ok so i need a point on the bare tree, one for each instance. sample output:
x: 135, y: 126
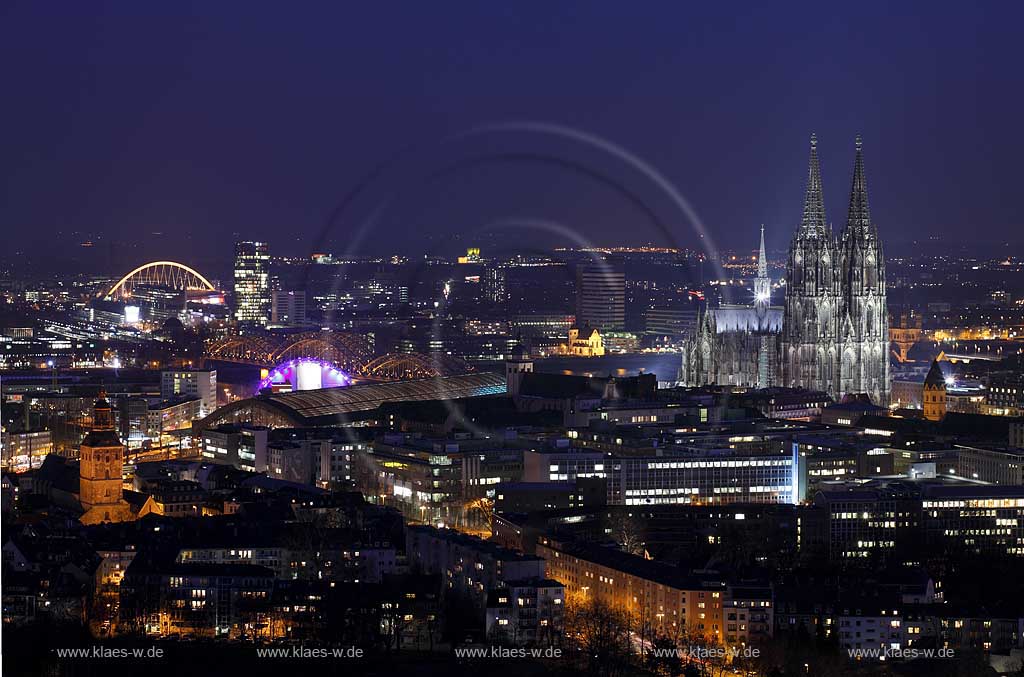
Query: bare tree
x: 627, y: 531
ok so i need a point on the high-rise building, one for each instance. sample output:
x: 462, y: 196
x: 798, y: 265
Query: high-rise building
x: 252, y: 283
x: 202, y: 383
x: 288, y: 308
x: 601, y: 296
x: 495, y: 289
x: 670, y: 322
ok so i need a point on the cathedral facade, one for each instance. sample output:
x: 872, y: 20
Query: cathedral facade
x: 832, y: 333
x: 735, y: 344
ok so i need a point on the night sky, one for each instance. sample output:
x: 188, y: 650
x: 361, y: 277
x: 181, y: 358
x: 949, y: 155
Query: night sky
x: 172, y: 129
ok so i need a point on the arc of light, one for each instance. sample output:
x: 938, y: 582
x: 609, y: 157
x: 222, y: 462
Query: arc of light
x: 154, y: 264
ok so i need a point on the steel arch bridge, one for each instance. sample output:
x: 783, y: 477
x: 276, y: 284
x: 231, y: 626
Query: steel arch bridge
x: 346, y: 351
x: 403, y: 366
x: 160, y: 274
x: 256, y: 350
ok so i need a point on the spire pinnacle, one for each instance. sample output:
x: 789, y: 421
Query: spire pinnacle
x: 859, y: 217
x: 813, y: 221
x: 762, y: 260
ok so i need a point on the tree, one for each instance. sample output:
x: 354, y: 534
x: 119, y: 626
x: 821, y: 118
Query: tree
x: 628, y: 532
x: 663, y: 658
x: 482, y: 506
x: 601, y: 633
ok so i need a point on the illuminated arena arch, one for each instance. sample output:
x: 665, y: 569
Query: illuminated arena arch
x: 303, y: 374
x: 405, y: 366
x: 160, y: 274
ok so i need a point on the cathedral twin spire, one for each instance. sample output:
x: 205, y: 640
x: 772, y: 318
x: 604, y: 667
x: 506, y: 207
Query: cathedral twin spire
x: 858, y: 218
x: 813, y: 223
x: 833, y: 335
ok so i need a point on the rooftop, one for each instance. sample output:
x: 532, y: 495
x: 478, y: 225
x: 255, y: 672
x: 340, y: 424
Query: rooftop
x: 328, y: 406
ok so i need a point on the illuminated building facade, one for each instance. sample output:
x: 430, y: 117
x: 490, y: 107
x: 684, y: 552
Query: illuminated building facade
x: 252, y: 283
x: 288, y: 308
x: 170, y: 415
x: 1005, y: 396
x: 527, y: 612
x: 601, y: 296
x: 584, y: 342
x: 736, y: 344
x: 869, y: 522
x: 713, y: 480
x: 981, y: 519
x: 243, y: 446
x: 677, y: 478
x: 26, y: 450
x: 541, y: 325
x: 669, y: 323
x: 197, y: 600
x: 495, y: 284
x: 995, y: 466
x: 200, y: 383
x: 864, y: 313
x: 652, y: 592
x: 835, y: 325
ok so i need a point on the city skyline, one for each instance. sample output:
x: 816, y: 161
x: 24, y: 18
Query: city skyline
x: 442, y: 147
x: 576, y: 339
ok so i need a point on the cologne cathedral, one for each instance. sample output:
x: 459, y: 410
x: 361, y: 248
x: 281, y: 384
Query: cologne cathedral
x: 831, y: 334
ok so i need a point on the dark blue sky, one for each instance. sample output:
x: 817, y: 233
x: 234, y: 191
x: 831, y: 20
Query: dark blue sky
x: 211, y: 121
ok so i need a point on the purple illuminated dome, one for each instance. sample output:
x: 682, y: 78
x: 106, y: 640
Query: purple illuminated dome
x: 304, y: 374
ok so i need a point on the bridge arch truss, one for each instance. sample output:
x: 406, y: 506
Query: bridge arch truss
x: 404, y: 366
x: 170, y: 274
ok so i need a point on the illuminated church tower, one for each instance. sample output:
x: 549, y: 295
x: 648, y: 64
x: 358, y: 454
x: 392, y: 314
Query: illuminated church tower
x: 810, y: 327
x: 101, y: 460
x: 864, y: 366
x: 934, y: 395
